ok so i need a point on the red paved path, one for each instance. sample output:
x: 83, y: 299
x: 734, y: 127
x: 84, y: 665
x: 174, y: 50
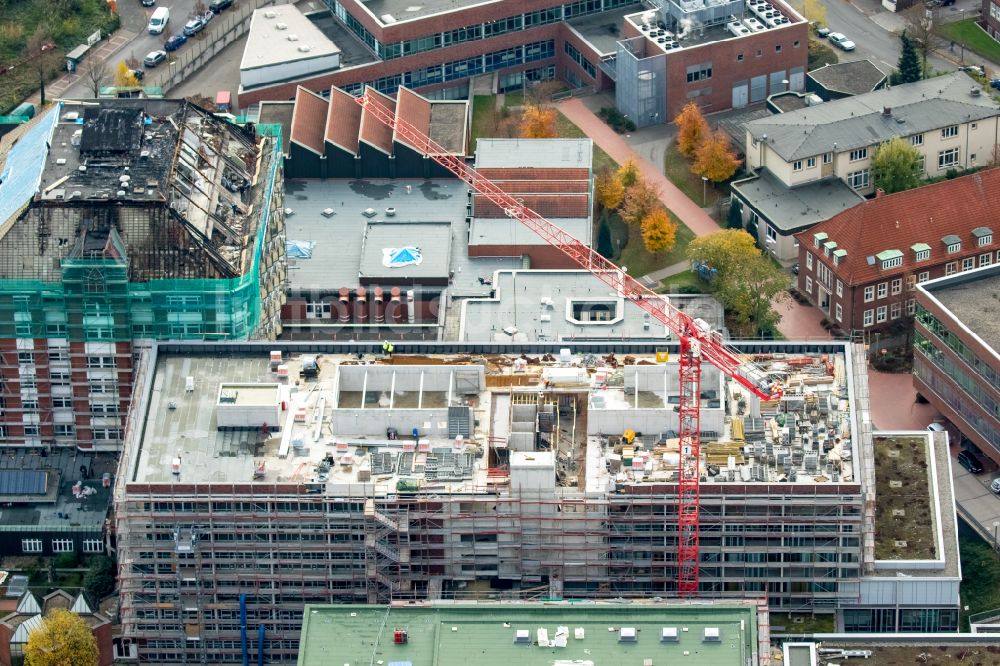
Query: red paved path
x: 799, y: 322
x: 687, y: 211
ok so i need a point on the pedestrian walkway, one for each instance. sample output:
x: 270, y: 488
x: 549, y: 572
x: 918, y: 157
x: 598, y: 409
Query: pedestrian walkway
x: 107, y: 47
x: 654, y: 278
x: 687, y: 211
x: 799, y: 322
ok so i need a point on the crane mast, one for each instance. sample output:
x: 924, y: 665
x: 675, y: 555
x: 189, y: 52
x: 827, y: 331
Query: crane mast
x: 698, y: 343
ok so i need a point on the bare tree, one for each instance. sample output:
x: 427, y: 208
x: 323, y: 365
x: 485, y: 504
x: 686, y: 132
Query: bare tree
x: 38, y: 44
x: 922, y: 30
x: 96, y: 76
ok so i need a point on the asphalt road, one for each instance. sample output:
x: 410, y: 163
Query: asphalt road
x: 874, y: 42
x: 134, y: 19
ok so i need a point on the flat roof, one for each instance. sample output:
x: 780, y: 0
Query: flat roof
x: 850, y: 78
x: 59, y: 508
x: 791, y: 209
x: 336, y: 259
x: 521, y: 299
x: 505, y: 231
x: 484, y: 634
x: 904, y: 518
x: 973, y: 298
x: 353, y: 51
x: 431, y: 240
x: 534, y: 153
x: 388, y: 12
x: 603, y: 30
x: 269, y: 39
x: 278, y: 113
x: 342, y: 417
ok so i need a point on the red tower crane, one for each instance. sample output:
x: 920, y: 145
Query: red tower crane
x: 698, y: 342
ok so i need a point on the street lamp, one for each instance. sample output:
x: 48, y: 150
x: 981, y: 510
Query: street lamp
x: 704, y: 191
x: 996, y: 524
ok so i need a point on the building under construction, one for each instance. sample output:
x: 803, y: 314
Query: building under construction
x: 257, y: 478
x: 123, y: 221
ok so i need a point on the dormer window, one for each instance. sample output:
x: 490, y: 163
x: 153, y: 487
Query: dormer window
x: 829, y: 247
x: 819, y: 238
x: 952, y: 243
x: 983, y: 236
x: 921, y: 251
x: 890, y: 259
x: 838, y: 256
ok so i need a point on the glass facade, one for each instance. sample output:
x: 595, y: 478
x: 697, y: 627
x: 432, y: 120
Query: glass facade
x: 892, y: 620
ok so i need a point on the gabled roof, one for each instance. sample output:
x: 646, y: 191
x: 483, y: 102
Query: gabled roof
x: 925, y: 215
x: 80, y: 606
x: 373, y: 131
x: 857, y: 122
x: 28, y: 604
x: 309, y: 120
x: 343, y: 121
x: 21, y: 171
x: 21, y: 633
x: 849, y: 78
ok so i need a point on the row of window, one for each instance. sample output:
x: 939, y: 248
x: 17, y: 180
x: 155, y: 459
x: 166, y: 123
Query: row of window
x: 957, y: 399
x: 944, y: 334
x: 577, y: 57
x: 958, y: 373
x: 90, y: 546
x: 879, y: 315
x: 474, y: 32
x: 459, y: 69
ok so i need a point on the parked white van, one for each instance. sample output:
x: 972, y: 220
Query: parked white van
x: 158, y: 21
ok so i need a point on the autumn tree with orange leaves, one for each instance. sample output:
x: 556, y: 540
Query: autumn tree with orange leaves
x: 639, y: 201
x: 714, y: 159
x: 609, y: 189
x: 692, y: 128
x: 538, y: 122
x: 659, y: 232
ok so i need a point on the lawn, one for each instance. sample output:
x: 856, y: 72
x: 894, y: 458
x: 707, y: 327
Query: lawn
x: 481, y: 106
x: 801, y: 623
x: 677, y: 169
x: 969, y: 33
x: 821, y: 54
x: 980, y: 588
x: 633, y: 254
x: 66, y: 28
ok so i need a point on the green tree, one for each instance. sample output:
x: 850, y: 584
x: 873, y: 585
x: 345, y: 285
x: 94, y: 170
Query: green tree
x: 99, y: 581
x: 63, y: 639
x: 735, y: 218
x: 746, y: 280
x: 628, y: 173
x: 896, y: 166
x: 908, y: 68
x: 605, y: 247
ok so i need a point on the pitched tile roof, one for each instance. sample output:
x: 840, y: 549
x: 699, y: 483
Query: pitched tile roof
x: 343, y: 122
x: 414, y: 110
x: 898, y: 221
x: 373, y: 131
x: 308, y: 120
x: 527, y: 173
x: 562, y: 206
x: 857, y: 122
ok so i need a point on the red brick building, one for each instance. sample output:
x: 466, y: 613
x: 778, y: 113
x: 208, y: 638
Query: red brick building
x: 990, y: 18
x: 861, y: 266
x: 718, y: 54
x: 29, y: 615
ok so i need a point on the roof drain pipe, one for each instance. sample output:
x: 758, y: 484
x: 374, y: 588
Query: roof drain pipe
x: 243, y: 628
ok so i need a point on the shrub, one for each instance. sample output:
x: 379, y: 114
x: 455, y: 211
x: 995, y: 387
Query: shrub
x: 615, y: 120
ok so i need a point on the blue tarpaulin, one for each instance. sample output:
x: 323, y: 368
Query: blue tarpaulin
x: 22, y: 171
x: 396, y: 257
x: 299, y: 249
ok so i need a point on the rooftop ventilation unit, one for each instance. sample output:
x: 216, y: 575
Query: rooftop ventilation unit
x: 270, y: 14
x: 305, y: 48
x: 668, y: 635
x: 281, y: 26
x: 292, y: 38
x: 711, y: 635
x: 627, y: 635
x: 522, y: 637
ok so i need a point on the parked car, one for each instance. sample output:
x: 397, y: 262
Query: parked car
x: 969, y: 461
x: 995, y: 486
x: 795, y: 268
x: 138, y: 74
x: 822, y: 32
x: 972, y: 69
x: 194, y: 26
x: 218, y: 5
x: 175, y: 42
x: 995, y: 84
x: 936, y: 427
x: 208, y: 16
x: 154, y: 58
x: 841, y: 40
x: 148, y: 3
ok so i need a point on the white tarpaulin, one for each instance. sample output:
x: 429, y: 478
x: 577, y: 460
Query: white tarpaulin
x: 396, y: 257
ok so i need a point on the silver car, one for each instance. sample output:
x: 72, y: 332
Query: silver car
x: 841, y: 40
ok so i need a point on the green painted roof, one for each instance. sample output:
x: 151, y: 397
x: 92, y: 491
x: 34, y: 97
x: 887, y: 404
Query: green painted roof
x: 483, y: 634
x: 920, y: 247
x: 840, y: 253
x: 888, y: 254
